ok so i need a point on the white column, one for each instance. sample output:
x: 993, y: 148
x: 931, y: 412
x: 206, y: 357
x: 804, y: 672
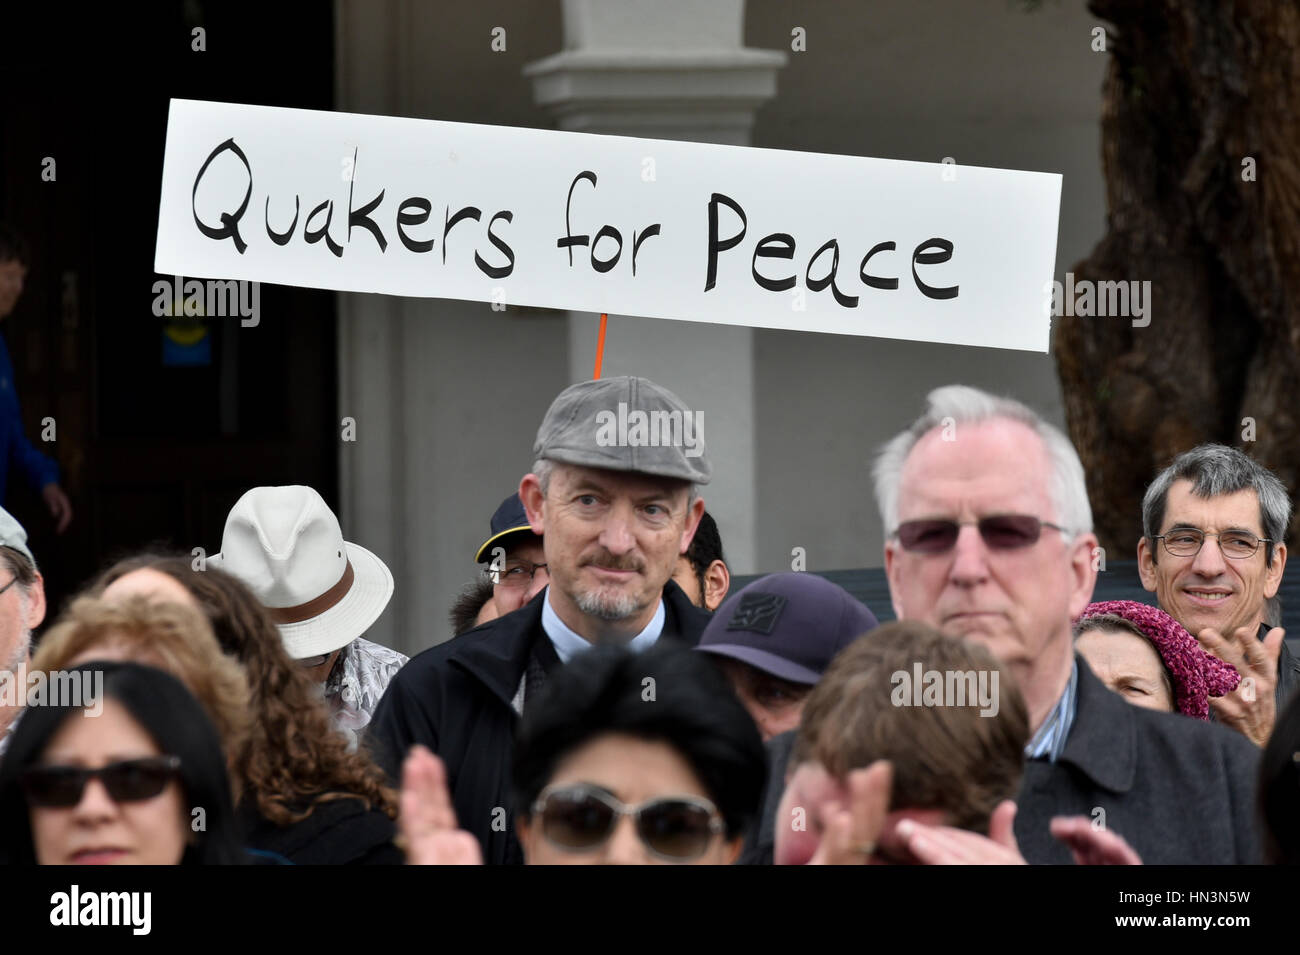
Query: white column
x: 672, y: 69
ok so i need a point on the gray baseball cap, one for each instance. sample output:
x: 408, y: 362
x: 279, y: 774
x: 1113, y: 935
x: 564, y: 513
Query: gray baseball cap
x: 13, y: 536
x: 625, y: 424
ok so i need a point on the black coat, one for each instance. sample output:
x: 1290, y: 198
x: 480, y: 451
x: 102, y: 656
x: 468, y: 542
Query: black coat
x: 338, y: 832
x: 1180, y: 790
x: 455, y: 699
x: 1288, y: 671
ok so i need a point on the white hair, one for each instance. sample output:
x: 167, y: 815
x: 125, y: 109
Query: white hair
x: 955, y: 405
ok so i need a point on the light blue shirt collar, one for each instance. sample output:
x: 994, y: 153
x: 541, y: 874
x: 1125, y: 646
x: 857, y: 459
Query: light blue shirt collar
x: 568, y: 643
x: 1049, y: 742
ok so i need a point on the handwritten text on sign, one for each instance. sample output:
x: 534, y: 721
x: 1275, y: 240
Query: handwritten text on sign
x: 688, y: 231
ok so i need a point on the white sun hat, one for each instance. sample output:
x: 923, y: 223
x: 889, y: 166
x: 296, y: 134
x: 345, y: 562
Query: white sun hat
x: 286, y: 545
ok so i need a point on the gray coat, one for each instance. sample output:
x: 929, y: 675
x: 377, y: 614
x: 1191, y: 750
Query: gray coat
x: 1180, y: 790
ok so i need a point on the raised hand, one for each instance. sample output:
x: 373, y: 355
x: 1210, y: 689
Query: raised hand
x: 427, y: 820
x: 1251, y: 708
x: 851, y: 833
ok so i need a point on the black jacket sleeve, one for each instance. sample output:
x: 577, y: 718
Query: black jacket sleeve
x: 406, y: 715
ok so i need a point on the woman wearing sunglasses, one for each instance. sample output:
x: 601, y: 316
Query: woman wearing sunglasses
x: 304, y: 796
x: 624, y: 759
x: 126, y: 787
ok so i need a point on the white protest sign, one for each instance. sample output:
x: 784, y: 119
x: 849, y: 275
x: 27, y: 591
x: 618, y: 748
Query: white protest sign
x: 695, y: 232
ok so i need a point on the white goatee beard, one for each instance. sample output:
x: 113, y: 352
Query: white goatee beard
x: 607, y: 606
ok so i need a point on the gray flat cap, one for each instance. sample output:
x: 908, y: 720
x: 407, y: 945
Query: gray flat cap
x: 13, y: 536
x: 625, y: 424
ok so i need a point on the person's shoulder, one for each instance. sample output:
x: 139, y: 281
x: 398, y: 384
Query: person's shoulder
x: 688, y: 620
x: 1187, y: 735
x: 378, y: 655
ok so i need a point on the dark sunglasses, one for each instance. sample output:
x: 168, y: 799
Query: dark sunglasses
x: 580, y: 818
x: 131, y: 780
x: 1000, y: 532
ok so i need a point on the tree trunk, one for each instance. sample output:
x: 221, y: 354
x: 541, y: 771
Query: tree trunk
x: 1194, y: 89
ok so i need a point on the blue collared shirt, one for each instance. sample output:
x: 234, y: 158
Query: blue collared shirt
x: 568, y: 644
x: 1049, y: 742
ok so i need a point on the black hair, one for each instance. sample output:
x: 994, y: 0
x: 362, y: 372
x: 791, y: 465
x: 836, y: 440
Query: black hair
x: 1279, y: 788
x: 689, y: 706
x: 176, y: 721
x: 468, y: 603
x: 706, y: 547
x: 13, y: 247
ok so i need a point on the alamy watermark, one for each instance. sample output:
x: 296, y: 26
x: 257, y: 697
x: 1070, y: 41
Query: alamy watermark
x: 82, y: 688
x: 1087, y: 299
x: 179, y: 297
x: 651, y: 429
x: 922, y: 687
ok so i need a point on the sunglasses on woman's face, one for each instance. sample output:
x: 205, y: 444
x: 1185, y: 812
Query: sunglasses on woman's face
x: 580, y: 818
x: 131, y: 780
x: 1000, y: 532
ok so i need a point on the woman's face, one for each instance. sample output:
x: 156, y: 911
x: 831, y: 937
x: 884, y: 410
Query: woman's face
x: 99, y: 830
x: 632, y: 771
x: 1127, y: 664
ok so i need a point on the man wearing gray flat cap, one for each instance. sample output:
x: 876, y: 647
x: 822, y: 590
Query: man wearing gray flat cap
x: 614, y: 495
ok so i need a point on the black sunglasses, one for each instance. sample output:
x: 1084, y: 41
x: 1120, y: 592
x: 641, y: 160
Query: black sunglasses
x: 131, y: 780
x: 1000, y: 532
x: 580, y: 818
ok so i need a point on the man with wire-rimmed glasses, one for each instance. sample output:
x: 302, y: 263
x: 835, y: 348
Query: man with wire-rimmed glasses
x: 1213, y: 551
x: 514, y: 560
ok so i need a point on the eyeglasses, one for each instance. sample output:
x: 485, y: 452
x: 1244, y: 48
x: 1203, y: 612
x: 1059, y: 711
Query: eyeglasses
x: 131, y: 780
x: 580, y: 818
x: 999, y: 531
x: 519, y: 573
x: 1187, y: 542
x: 308, y: 662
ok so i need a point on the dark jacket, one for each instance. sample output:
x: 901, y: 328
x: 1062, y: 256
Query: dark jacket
x: 1288, y: 670
x: 1180, y: 790
x: 455, y: 699
x: 338, y: 832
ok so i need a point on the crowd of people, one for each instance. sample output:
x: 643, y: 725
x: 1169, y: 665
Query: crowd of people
x: 605, y: 698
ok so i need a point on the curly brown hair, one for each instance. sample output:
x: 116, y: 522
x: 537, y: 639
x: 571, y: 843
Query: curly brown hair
x: 171, y: 637
x: 296, y: 758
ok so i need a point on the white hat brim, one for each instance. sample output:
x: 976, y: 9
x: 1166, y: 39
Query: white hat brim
x: 372, y: 588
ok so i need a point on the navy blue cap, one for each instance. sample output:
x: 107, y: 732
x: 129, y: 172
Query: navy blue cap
x: 790, y: 625
x: 508, y: 520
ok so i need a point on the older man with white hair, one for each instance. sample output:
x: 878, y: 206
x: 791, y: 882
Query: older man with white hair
x: 989, y: 537
x: 22, y: 608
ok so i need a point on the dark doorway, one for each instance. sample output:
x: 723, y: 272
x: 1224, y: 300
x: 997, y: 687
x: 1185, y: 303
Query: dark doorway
x: 160, y: 423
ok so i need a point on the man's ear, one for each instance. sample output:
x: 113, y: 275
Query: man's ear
x: 1147, y: 563
x: 891, y: 574
x: 692, y: 524
x: 1083, y: 565
x: 1273, y: 573
x: 530, y: 493
x: 36, y: 602
x: 717, y: 581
